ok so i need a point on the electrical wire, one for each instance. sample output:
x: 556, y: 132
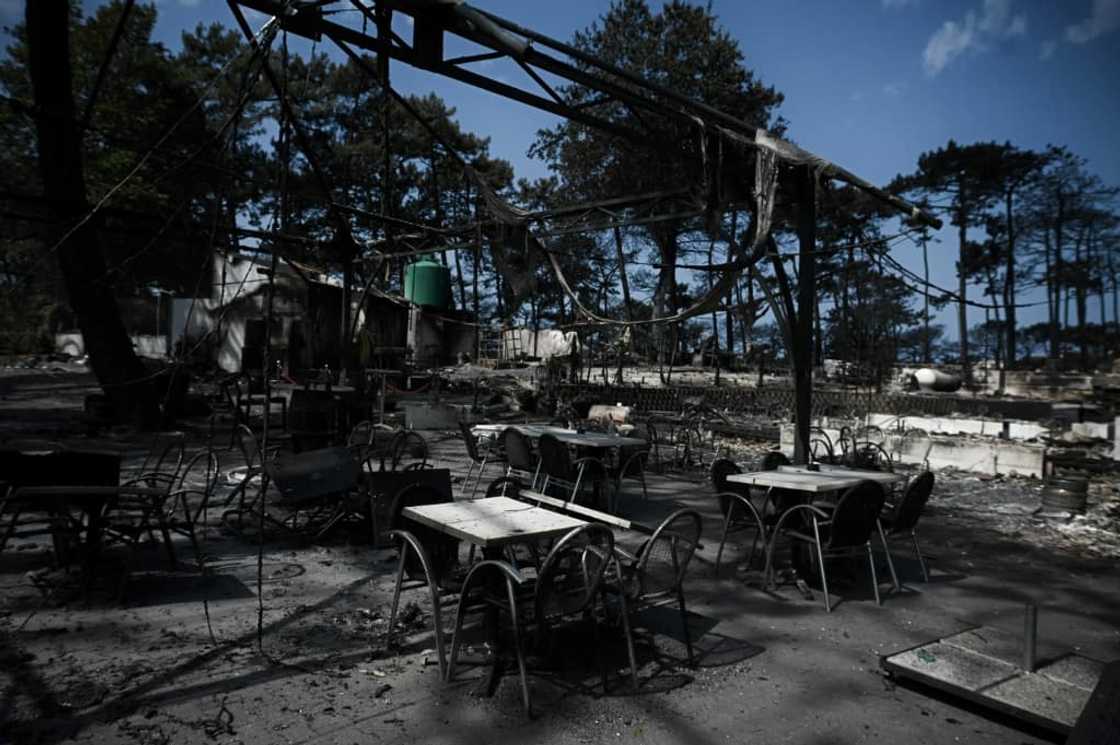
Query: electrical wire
x: 268, y: 28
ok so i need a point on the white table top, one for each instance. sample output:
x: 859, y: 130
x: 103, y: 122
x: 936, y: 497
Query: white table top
x: 493, y: 521
x: 570, y: 436
x: 814, y: 482
x: 886, y: 478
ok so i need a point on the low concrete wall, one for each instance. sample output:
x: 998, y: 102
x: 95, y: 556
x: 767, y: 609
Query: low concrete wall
x: 1099, y: 430
x: 1014, y: 429
x: 990, y: 456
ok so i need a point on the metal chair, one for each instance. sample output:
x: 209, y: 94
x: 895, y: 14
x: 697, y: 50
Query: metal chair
x: 161, y: 473
x: 748, y: 518
x: 872, y: 456
x: 197, y: 482
x: 773, y: 459
x: 254, y: 475
x: 479, y: 593
x: 479, y: 457
x: 132, y: 512
x: 655, y: 575
x: 442, y: 550
x: 632, y: 462
x: 569, y: 475
x: 733, y: 497
x: 407, y: 443
x: 245, y: 399
x: 820, y: 446
x: 569, y: 585
x: 843, y: 531
x: 520, y: 460
x: 903, y: 517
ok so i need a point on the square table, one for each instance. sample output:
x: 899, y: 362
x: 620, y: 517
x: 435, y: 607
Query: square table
x: 493, y: 521
x: 568, y: 436
x: 801, y: 479
x: 886, y: 478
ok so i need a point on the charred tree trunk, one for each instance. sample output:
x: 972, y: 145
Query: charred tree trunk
x: 664, y: 294
x: 802, y: 351
x: 962, y: 288
x: 1081, y: 294
x: 1009, y: 281
x: 927, y: 355
x: 1055, y: 273
x: 118, y: 370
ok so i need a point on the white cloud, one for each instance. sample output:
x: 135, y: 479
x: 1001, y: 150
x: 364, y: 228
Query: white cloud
x: 1046, y: 51
x: 894, y: 89
x: 994, y: 22
x: 1104, y: 18
x: 898, y: 3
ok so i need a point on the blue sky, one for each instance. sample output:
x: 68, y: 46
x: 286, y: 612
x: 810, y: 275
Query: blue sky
x: 868, y: 84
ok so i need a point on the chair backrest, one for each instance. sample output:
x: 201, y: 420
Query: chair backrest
x: 165, y: 455
x: 470, y: 441
x: 820, y: 450
x: 773, y: 459
x: 572, y: 573
x: 663, y: 559
x: 556, y: 461
x: 846, y: 442
x: 721, y: 469
x: 201, y: 472
x: 854, y: 518
x: 443, y: 550
x: 518, y: 450
x: 408, y: 443
x: 870, y: 433
x: 230, y: 391
x: 913, y: 502
x: 360, y: 435
x: 818, y: 433
x: 247, y: 443
x: 874, y: 457
x: 505, y: 486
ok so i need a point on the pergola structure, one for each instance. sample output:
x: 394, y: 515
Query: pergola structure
x: 772, y: 158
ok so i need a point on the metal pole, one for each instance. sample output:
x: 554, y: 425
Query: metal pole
x: 802, y: 351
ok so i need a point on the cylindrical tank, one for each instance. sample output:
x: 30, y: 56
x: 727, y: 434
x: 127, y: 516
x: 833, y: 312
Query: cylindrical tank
x: 935, y: 380
x: 1066, y: 494
x: 428, y: 283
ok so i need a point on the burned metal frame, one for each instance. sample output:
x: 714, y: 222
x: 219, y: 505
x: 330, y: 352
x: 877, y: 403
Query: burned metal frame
x: 607, y: 84
x: 501, y: 38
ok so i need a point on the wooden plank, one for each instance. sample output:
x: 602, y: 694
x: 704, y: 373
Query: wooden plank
x: 582, y: 511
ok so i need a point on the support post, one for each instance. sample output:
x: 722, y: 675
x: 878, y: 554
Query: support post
x: 806, y: 300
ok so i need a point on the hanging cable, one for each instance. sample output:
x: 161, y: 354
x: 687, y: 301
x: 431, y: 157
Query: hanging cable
x: 269, y: 25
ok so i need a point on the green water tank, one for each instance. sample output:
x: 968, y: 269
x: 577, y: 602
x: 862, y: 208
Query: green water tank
x: 428, y: 283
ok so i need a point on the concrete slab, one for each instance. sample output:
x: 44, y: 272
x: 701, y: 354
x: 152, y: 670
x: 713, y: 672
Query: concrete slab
x: 977, y: 664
